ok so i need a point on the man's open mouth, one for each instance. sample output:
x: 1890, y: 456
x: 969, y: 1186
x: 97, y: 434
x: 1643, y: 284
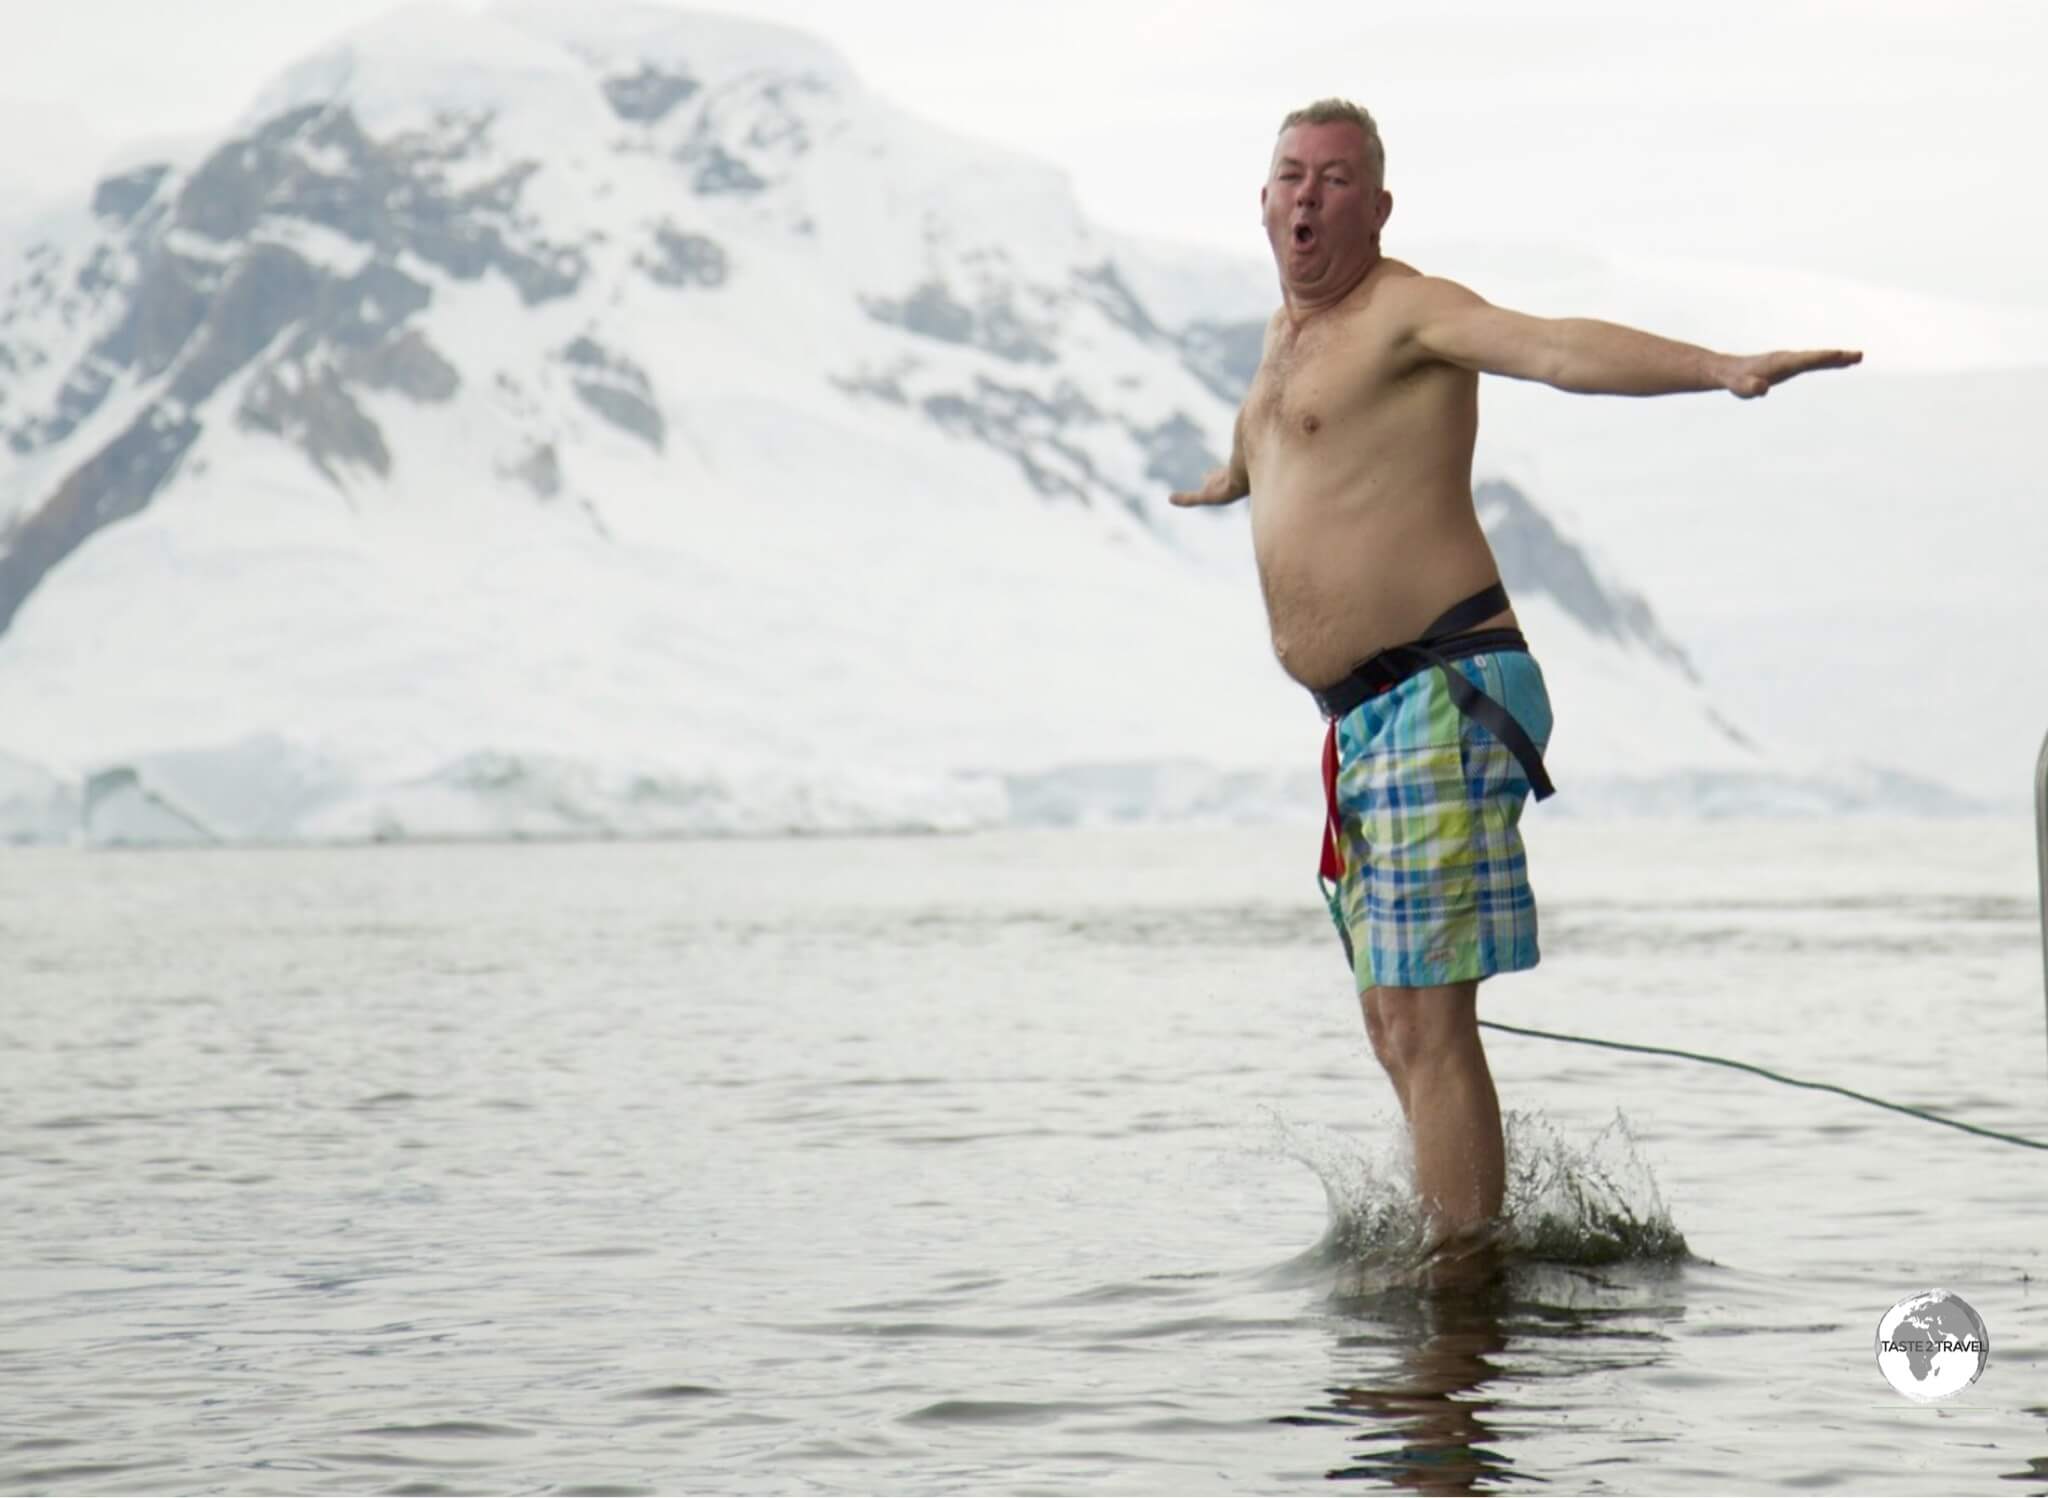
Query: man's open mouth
x: 1303, y: 234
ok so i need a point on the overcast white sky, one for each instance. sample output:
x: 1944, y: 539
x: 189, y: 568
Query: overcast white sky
x: 1895, y: 143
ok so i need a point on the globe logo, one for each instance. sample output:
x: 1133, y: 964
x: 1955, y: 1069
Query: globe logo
x: 1931, y: 1346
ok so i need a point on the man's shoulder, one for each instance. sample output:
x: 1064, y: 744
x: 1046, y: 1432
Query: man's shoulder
x: 1414, y: 287
x: 1412, y: 300
x: 1392, y: 295
x: 1440, y: 290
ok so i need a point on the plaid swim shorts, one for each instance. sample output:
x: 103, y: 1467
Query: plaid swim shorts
x: 1425, y: 806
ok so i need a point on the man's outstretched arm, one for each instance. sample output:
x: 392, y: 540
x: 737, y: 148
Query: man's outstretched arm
x: 1580, y: 354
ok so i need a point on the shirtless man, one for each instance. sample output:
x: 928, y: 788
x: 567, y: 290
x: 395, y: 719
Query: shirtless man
x: 1356, y: 444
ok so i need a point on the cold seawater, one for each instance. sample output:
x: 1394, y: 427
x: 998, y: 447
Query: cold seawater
x: 1049, y: 1162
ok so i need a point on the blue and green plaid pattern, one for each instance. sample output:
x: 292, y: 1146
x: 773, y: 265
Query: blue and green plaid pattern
x: 1435, y: 885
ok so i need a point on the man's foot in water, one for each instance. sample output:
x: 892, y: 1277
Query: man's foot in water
x: 1465, y: 1256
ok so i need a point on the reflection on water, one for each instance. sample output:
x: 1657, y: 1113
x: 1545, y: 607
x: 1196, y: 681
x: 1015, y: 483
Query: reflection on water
x: 1423, y: 1361
x: 1423, y: 1370
x: 1574, y: 1278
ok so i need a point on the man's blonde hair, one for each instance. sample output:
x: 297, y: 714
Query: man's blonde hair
x: 1343, y: 111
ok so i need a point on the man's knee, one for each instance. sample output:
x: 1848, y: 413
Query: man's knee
x: 1411, y: 1027
x: 1377, y: 1032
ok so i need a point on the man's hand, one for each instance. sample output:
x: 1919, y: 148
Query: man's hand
x: 1221, y: 487
x: 1750, y: 377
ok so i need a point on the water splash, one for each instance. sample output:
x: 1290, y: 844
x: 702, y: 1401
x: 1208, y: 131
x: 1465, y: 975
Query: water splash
x: 1579, y: 1204
x: 1591, y: 1204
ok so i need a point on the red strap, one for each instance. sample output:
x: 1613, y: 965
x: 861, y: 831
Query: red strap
x: 1333, y: 856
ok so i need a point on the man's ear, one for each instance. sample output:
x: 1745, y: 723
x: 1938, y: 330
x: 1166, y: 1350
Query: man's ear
x: 1262, y: 202
x: 1386, y: 209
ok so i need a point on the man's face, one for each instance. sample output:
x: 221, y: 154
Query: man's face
x: 1322, y: 209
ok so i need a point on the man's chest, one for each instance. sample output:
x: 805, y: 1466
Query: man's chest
x: 1315, y: 380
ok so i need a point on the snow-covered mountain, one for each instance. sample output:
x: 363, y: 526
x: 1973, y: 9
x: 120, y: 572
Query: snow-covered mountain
x: 620, y: 422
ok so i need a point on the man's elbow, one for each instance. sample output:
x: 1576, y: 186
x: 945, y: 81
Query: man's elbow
x: 1548, y: 358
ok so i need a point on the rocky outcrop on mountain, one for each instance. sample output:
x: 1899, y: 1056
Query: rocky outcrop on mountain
x: 1535, y: 558
x: 286, y: 262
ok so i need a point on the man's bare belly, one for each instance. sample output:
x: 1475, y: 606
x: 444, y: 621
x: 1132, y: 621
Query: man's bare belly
x: 1317, y: 675
x: 1336, y: 594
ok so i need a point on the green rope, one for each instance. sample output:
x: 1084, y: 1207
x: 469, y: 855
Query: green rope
x: 1861, y: 1097
x: 1658, y: 1050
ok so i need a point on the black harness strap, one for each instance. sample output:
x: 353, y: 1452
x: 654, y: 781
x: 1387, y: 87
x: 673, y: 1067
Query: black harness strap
x: 1451, y: 637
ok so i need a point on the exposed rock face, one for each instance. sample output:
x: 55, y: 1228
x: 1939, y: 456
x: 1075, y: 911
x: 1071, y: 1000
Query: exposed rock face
x: 1051, y: 432
x: 116, y: 482
x: 1224, y: 356
x: 750, y: 131
x: 540, y: 469
x: 1534, y: 558
x: 1104, y: 286
x: 931, y: 311
x: 617, y: 389
x: 1177, y: 453
x: 680, y: 259
x: 316, y: 166
x: 123, y: 196
x: 279, y: 262
x: 649, y: 95
x: 316, y: 411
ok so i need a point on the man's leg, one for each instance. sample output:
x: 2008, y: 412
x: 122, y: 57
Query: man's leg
x: 1383, y: 1047
x: 1428, y: 1040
